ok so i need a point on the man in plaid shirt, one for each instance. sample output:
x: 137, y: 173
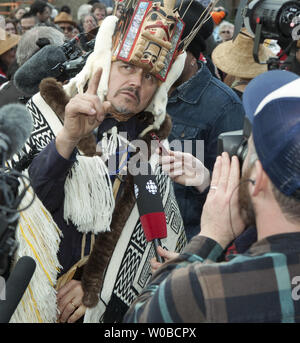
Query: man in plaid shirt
x: 259, y: 285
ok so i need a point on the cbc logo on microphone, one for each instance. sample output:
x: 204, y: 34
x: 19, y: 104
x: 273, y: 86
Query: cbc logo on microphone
x: 296, y: 289
x: 2, y: 288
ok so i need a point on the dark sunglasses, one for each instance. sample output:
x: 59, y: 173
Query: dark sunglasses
x: 225, y: 32
x: 67, y: 28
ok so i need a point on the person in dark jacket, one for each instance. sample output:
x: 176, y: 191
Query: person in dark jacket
x: 201, y: 107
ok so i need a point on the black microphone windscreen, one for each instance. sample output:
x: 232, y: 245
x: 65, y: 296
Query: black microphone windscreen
x: 16, y: 286
x: 16, y: 124
x: 28, y: 77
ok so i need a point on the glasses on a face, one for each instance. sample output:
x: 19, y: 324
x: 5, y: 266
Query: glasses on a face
x: 226, y: 31
x: 67, y: 28
x: 24, y: 28
x: 11, y: 30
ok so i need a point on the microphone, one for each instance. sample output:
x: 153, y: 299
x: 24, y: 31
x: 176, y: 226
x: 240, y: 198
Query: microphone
x: 15, y: 128
x: 44, y: 63
x: 150, y: 206
x: 16, y: 286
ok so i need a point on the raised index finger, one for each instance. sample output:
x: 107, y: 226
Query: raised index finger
x: 94, y: 82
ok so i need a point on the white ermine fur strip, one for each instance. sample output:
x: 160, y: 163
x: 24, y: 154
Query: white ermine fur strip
x: 159, y: 102
x: 100, y: 57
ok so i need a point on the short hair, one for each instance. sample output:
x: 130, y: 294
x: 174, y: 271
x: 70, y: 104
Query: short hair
x: 289, y: 205
x: 27, y: 15
x: 65, y: 8
x: 99, y: 5
x: 89, y: 15
x: 39, y: 6
x: 11, y: 21
x: 82, y: 11
x: 27, y: 46
x: 21, y: 7
x: 225, y: 24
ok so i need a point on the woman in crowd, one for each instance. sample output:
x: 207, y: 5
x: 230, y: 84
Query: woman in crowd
x: 10, y: 26
x: 226, y: 30
x: 8, y: 48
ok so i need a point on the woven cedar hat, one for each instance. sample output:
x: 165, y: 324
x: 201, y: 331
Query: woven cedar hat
x: 236, y: 57
x: 64, y: 17
x: 7, y: 41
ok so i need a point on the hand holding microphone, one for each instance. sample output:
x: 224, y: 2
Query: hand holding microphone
x: 165, y: 254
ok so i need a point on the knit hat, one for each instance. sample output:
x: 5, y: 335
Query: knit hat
x: 272, y: 103
x: 7, y: 41
x: 236, y: 57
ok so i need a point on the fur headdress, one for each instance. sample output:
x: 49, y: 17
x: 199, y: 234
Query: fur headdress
x: 148, y: 35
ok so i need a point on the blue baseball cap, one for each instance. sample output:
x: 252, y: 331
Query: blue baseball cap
x: 272, y: 104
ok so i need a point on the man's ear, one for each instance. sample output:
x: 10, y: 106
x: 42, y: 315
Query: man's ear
x: 259, y: 179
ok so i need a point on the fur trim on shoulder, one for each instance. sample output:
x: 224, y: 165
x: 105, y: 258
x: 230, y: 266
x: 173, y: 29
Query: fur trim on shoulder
x: 53, y: 93
x: 55, y: 96
x: 94, y: 270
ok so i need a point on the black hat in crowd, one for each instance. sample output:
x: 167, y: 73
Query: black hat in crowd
x: 195, y: 10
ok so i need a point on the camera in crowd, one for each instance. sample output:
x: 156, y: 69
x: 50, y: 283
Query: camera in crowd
x: 236, y: 142
x: 75, y: 58
x: 265, y: 19
x: 272, y: 19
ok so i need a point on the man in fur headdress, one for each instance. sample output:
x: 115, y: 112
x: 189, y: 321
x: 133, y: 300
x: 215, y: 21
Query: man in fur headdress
x: 122, y: 89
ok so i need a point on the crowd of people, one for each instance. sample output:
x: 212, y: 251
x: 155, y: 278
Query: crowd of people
x: 41, y: 13
x: 230, y: 251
